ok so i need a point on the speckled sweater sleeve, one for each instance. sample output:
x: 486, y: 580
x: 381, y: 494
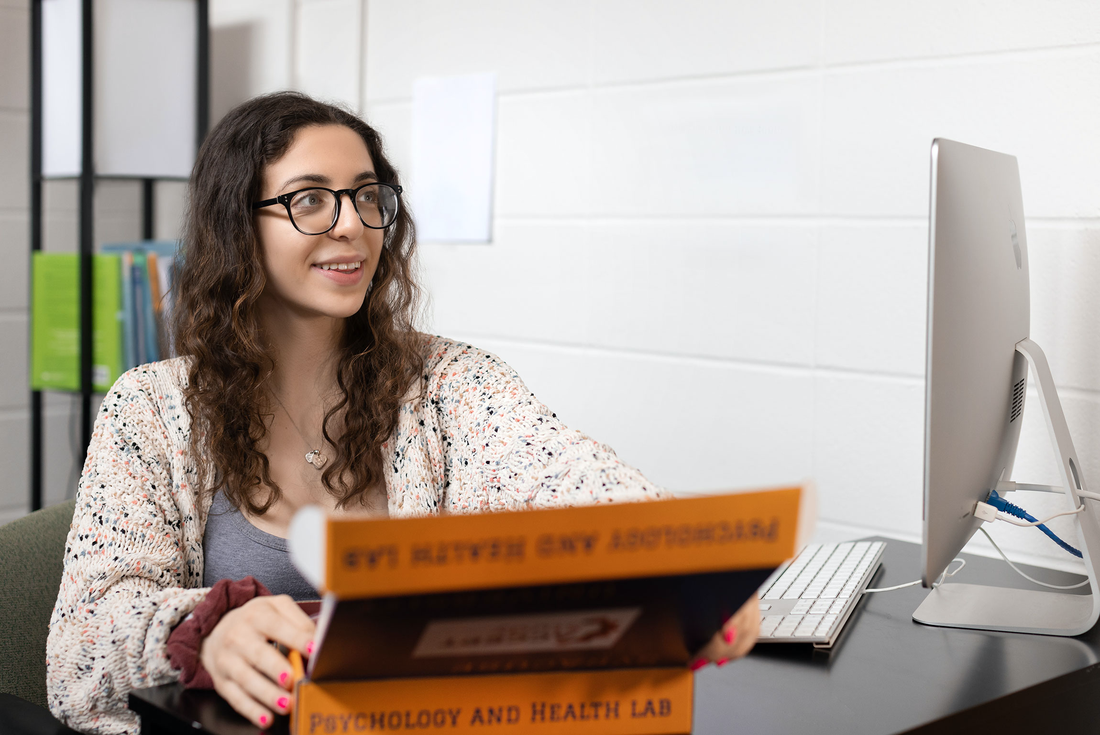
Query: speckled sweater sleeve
x: 503, y: 449
x: 131, y: 561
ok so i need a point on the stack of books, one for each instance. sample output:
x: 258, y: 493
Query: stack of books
x: 132, y: 304
x: 572, y: 620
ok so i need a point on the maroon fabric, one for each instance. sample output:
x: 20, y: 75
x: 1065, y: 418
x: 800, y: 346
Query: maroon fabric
x: 186, y: 640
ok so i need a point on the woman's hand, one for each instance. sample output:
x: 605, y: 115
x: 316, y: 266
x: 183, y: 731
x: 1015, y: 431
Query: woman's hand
x: 247, y: 670
x: 736, y: 637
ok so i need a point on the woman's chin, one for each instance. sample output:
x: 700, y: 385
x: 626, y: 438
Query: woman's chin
x: 279, y: 312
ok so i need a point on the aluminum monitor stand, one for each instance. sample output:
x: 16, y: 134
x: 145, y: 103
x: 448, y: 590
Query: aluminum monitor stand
x: 1031, y: 611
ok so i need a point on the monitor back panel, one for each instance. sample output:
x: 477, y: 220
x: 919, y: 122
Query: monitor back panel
x: 978, y: 309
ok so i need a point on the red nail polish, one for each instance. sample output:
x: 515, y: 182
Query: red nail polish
x: 263, y: 720
x: 722, y: 661
x: 283, y: 703
x: 731, y: 635
x: 309, y: 649
x: 698, y: 664
x: 283, y: 677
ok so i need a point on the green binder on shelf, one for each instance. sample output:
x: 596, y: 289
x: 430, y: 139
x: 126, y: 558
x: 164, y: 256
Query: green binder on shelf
x: 55, y: 321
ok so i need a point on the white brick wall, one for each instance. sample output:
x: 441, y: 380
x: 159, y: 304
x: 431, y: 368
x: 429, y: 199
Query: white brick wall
x: 710, y: 235
x: 711, y: 221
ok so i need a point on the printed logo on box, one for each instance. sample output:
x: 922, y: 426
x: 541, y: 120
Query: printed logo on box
x: 568, y: 631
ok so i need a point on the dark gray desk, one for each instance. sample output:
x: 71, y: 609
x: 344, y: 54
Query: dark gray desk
x: 891, y: 675
x: 886, y: 675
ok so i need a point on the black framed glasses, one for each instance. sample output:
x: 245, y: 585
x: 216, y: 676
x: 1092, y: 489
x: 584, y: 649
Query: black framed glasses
x: 314, y: 211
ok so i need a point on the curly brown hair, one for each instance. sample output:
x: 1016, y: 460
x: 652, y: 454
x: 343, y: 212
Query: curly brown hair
x: 217, y: 323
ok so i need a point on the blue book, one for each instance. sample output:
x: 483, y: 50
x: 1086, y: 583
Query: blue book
x: 137, y: 269
x: 163, y: 248
x: 129, y: 346
x: 149, y: 312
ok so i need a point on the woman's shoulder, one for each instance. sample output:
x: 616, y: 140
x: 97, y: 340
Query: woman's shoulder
x: 170, y: 373
x: 143, y: 415
x: 447, y: 358
x: 155, y: 382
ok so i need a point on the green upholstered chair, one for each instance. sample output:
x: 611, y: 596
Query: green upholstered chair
x: 32, y: 551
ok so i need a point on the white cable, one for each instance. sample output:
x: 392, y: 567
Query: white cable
x: 1004, y: 487
x: 1025, y: 576
x: 895, y: 587
x: 946, y: 573
x: 962, y: 563
x: 937, y: 583
x: 1002, y: 516
x: 1007, y: 486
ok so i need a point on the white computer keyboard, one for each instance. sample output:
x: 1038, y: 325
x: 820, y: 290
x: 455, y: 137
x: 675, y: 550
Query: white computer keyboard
x: 812, y: 598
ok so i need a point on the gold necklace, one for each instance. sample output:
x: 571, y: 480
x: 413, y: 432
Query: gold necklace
x: 313, y: 456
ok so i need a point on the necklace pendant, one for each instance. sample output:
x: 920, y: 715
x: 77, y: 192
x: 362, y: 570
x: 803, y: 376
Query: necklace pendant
x: 315, y: 458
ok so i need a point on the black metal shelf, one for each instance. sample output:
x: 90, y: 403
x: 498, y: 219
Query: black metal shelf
x: 87, y: 179
x: 113, y: 177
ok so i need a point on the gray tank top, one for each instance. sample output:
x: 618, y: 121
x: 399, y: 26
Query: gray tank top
x: 235, y: 549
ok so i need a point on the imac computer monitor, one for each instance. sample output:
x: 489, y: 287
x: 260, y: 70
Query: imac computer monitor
x: 978, y: 309
x: 979, y: 353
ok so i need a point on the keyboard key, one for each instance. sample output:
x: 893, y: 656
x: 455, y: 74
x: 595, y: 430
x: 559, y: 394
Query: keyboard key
x: 826, y: 623
x: 786, y: 628
x: 808, y: 625
x: 768, y: 624
x: 802, y: 607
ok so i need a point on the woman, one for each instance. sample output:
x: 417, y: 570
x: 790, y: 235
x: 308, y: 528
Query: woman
x: 304, y: 383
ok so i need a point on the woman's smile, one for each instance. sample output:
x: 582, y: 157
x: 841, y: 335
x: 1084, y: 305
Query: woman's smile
x: 342, y: 274
x: 340, y: 266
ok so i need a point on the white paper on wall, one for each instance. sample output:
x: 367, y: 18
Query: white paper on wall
x: 451, y: 183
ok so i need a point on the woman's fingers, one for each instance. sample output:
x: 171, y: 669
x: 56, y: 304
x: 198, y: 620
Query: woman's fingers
x: 735, y: 639
x: 245, y: 704
x: 299, y: 628
x: 746, y: 623
x: 259, y: 686
x: 267, y: 662
x: 279, y: 619
x: 284, y: 623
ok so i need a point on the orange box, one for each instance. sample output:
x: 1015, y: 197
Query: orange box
x: 614, y: 702
x: 382, y: 557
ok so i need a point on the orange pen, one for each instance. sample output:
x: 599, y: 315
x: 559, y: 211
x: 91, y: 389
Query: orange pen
x: 296, y: 665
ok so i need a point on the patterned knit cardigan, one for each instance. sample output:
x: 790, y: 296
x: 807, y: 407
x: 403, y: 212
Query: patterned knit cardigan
x: 474, y: 440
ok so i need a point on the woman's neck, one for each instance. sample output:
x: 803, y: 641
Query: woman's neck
x: 304, y: 353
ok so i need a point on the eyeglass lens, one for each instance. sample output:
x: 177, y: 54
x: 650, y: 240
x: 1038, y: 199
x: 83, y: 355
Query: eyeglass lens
x: 314, y: 210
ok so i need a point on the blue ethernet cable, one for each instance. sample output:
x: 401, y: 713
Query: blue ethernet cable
x: 1014, y: 510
